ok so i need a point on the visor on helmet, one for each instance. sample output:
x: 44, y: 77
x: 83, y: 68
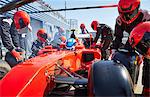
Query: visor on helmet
x: 44, y: 36
x: 21, y: 23
x: 128, y: 15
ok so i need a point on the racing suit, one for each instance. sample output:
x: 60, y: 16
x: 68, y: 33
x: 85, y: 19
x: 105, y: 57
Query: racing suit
x: 6, y: 30
x: 57, y: 39
x: 146, y: 76
x: 0, y: 51
x: 37, y: 46
x: 120, y: 27
x: 84, y: 31
x: 86, y: 41
x: 106, y: 34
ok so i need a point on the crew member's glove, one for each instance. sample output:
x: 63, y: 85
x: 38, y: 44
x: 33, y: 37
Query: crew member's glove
x: 20, y: 50
x: 16, y: 55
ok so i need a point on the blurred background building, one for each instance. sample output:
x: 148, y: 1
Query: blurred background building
x: 50, y: 21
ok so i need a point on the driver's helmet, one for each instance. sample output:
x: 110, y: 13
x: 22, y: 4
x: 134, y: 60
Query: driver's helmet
x: 140, y: 38
x: 128, y: 10
x: 70, y: 44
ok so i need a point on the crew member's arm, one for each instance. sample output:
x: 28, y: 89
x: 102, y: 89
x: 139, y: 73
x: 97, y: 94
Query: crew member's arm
x: 118, y: 36
x: 14, y: 35
x: 5, y: 35
x: 36, y: 46
x: 98, y: 33
x: 87, y: 31
x: 107, y: 37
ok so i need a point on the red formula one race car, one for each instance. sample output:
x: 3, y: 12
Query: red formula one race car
x: 74, y: 72
x: 40, y: 75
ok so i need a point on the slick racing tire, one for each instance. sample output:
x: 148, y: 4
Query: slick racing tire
x: 4, y: 68
x: 110, y: 78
